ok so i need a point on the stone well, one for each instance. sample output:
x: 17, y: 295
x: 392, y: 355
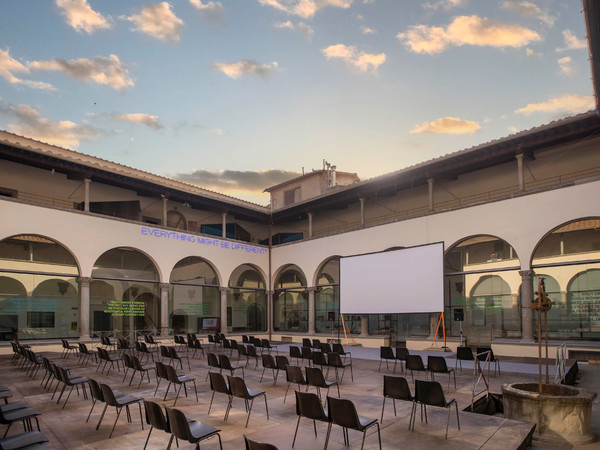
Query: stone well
x: 562, y: 414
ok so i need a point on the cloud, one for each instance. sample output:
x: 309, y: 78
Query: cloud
x: 139, y: 118
x: 80, y: 16
x: 367, y: 30
x: 10, y: 66
x: 301, y: 28
x: 237, y: 69
x: 235, y: 180
x: 31, y: 124
x: 210, y: 9
x: 304, y: 8
x: 466, y: 30
x: 158, y: 21
x: 359, y: 60
x: 572, y: 42
x: 569, y: 104
x: 564, y: 65
x: 106, y: 71
x: 447, y: 125
x: 529, y: 9
x: 445, y: 5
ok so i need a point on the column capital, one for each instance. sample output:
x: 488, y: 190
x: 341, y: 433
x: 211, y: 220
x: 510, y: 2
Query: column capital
x: 526, y: 273
x: 312, y: 289
x: 85, y: 280
x: 223, y: 290
x: 164, y: 285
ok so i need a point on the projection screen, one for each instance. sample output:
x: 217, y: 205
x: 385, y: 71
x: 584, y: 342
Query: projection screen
x: 409, y: 280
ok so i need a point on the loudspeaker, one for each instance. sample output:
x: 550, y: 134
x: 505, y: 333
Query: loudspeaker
x: 459, y: 315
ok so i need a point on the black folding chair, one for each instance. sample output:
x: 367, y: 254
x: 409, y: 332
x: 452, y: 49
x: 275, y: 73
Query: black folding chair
x: 342, y: 412
x: 431, y: 393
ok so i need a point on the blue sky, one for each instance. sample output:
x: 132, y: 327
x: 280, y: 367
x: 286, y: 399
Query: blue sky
x: 239, y: 95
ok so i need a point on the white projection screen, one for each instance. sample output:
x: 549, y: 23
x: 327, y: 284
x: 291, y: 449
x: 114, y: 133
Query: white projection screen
x: 409, y: 280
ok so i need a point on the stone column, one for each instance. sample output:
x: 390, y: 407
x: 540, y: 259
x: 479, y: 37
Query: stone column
x: 224, y: 224
x: 310, y: 229
x: 165, y: 205
x: 86, y: 195
x: 84, y: 308
x: 526, y: 301
x: 362, y: 212
x: 269, y: 312
x: 430, y: 183
x: 364, y: 325
x: 224, y: 291
x: 520, y: 171
x: 164, y: 309
x: 311, y: 310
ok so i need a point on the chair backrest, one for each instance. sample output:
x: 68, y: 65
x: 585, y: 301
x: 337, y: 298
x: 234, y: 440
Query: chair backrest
x: 213, y: 361
x: 342, y: 412
x: 135, y: 362
x: 155, y: 416
x: 334, y: 359
x: 224, y: 362
x: 294, y: 375
x: 315, y: 377
x: 339, y: 348
x: 234, y: 344
x: 161, y: 370
x: 211, y: 339
x: 164, y: 351
x: 265, y: 343
x: 172, y: 374
x: 464, y: 353
x: 430, y: 393
x: 226, y: 343
x: 326, y: 348
x: 319, y: 358
x: 282, y: 362
x: 414, y: 362
x: 268, y: 361
x: 148, y: 339
x: 396, y: 387
x: 386, y: 353
x: 96, y: 390
x: 316, y: 343
x: 251, y: 349
x: 138, y: 346
x: 62, y: 374
x: 242, y: 350
x: 309, y: 405
x: 102, y: 352
x: 437, y: 364
x: 218, y: 383
x: 178, y: 424
x: 173, y: 353
x: 81, y: 347
x: 295, y: 352
x: 245, y: 338
x: 127, y: 361
x: 307, y: 353
x: 401, y: 353
x: 237, y: 387
x: 108, y: 394
x: 254, y: 445
x: 306, y: 342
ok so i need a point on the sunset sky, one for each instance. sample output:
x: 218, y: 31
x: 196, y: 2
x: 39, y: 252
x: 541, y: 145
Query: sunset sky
x: 239, y: 95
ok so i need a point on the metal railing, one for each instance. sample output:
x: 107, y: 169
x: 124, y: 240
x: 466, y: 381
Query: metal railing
x: 561, y: 364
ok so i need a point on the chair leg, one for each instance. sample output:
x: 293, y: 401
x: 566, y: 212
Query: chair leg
x: 148, y: 438
x: 382, y: 408
x: 115, y: 424
x: 101, y: 417
x: 328, y: 433
x: 296, y: 432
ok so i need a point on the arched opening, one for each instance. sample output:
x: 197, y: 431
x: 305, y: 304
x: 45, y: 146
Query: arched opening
x: 39, y: 296
x: 290, y: 300
x: 124, y: 292
x: 194, y: 296
x: 570, y: 255
x: 246, y: 300
x: 481, y: 277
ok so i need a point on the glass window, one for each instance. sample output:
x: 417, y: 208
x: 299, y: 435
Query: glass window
x: 246, y: 300
x: 482, y: 278
x: 39, y: 295
x: 193, y: 295
x: 568, y: 259
x: 124, y: 293
x: 290, y: 301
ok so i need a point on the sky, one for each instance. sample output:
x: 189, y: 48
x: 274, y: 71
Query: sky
x: 240, y: 95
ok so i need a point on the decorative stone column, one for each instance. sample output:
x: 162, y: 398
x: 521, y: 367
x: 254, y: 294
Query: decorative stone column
x: 165, y: 206
x: 430, y: 183
x: 311, y: 309
x: 362, y: 212
x: 86, y: 195
x: 310, y: 224
x: 526, y: 301
x: 164, y: 309
x: 364, y: 325
x: 519, y: 157
x: 224, y: 291
x: 224, y: 225
x: 84, y: 308
x: 269, y: 312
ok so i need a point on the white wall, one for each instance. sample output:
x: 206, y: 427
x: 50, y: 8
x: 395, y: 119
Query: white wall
x: 522, y: 222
